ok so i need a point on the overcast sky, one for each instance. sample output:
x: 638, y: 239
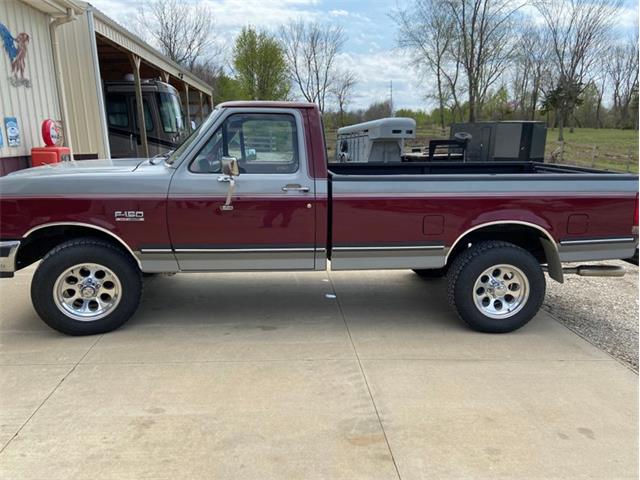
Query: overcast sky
x: 370, y: 49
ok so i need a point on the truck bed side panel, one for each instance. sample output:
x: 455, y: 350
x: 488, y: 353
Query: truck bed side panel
x: 413, y: 222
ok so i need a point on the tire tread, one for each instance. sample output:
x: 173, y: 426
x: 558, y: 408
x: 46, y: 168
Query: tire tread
x: 464, y: 258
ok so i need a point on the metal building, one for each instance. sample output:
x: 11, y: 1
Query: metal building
x: 55, y: 57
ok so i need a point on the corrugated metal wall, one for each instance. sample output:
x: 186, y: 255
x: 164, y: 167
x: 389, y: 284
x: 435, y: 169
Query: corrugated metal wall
x: 81, y: 91
x: 30, y: 105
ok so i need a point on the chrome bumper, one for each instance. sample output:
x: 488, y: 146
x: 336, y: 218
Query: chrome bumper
x: 8, y: 251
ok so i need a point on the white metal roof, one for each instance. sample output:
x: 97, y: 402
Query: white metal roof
x: 56, y: 7
x: 393, y: 127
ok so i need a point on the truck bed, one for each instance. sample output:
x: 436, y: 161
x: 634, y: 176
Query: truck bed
x: 404, y: 215
x: 451, y: 168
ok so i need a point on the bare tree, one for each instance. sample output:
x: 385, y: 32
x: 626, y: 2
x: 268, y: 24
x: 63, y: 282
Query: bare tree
x: 182, y: 31
x: 531, y: 64
x: 578, y: 31
x: 426, y: 29
x: 342, y: 90
x: 483, y: 31
x: 311, y: 50
x: 622, y: 70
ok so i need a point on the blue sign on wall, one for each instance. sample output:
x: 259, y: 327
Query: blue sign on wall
x: 13, y: 131
x: 1, y: 142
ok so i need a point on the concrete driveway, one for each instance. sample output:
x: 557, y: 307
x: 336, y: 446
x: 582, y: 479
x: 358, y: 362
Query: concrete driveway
x: 267, y: 376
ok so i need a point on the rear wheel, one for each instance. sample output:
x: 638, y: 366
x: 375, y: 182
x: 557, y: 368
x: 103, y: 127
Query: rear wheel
x: 496, y: 287
x: 85, y: 287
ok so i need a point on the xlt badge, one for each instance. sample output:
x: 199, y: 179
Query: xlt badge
x: 129, y: 216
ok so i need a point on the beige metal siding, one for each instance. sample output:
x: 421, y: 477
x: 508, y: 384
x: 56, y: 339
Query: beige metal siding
x: 81, y: 91
x: 30, y: 105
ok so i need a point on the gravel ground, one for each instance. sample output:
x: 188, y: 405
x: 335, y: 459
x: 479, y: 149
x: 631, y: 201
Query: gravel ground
x: 602, y: 310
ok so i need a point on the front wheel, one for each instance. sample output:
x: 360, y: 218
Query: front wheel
x: 496, y: 287
x: 85, y: 287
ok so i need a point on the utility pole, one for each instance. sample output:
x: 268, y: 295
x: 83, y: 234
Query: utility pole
x: 391, y: 96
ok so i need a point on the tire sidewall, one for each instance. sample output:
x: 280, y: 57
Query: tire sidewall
x: 54, y: 264
x: 464, y: 289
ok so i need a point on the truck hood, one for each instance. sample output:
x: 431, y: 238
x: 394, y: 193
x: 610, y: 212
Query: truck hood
x: 113, y: 166
x: 134, y: 176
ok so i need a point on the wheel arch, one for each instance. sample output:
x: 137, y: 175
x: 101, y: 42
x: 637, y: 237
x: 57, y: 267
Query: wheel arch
x: 530, y: 236
x: 40, y: 239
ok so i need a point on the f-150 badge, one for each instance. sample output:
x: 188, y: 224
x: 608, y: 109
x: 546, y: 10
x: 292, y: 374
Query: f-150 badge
x: 129, y: 216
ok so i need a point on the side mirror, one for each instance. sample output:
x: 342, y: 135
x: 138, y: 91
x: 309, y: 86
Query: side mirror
x: 230, y: 166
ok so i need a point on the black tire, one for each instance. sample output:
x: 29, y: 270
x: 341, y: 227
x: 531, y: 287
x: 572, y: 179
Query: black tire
x: 431, y: 273
x: 469, y: 267
x: 74, y: 252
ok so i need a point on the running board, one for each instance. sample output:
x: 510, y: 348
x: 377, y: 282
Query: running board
x: 594, y: 270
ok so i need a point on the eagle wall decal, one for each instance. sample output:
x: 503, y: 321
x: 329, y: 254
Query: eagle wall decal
x: 16, y: 48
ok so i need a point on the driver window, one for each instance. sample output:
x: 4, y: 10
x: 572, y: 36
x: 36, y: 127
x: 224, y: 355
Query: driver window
x: 262, y: 143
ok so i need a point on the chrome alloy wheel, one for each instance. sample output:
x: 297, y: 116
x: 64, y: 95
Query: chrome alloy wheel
x: 87, y: 292
x: 501, y: 291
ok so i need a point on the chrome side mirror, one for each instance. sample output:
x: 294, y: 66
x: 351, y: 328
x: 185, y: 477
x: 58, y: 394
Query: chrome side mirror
x: 230, y: 166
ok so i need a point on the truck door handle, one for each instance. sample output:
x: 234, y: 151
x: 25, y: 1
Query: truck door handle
x: 294, y: 187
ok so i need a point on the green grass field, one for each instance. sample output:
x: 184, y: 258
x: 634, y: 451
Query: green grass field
x: 607, y: 149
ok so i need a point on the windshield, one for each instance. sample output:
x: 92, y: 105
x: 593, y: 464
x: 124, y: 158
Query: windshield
x: 197, y: 133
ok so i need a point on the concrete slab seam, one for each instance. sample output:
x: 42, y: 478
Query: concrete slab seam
x: 4, y: 447
x: 364, y: 377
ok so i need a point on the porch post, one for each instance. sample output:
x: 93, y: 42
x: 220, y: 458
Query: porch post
x: 186, y: 106
x: 142, y: 128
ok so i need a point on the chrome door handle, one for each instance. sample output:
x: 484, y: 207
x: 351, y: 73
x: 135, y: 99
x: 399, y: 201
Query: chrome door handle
x: 294, y: 187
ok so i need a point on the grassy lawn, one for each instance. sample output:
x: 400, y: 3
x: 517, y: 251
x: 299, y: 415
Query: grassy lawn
x: 615, y: 150
x: 604, y: 148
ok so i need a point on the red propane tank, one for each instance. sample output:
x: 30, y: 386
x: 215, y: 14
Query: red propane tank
x: 51, y: 153
x: 45, y: 155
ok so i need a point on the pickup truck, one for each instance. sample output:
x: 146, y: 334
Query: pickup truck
x: 251, y: 190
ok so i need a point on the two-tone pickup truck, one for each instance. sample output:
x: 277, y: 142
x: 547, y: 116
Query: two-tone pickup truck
x: 251, y: 190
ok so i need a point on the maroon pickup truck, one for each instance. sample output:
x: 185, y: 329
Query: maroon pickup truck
x: 251, y: 190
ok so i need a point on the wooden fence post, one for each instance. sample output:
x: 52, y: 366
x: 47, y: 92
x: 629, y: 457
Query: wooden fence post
x: 594, y: 155
x: 628, y: 159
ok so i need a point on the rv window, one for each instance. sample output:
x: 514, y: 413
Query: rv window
x: 170, y: 113
x: 117, y: 111
x: 148, y: 118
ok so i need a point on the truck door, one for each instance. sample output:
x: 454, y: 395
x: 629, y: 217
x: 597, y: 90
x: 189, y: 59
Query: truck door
x: 269, y: 224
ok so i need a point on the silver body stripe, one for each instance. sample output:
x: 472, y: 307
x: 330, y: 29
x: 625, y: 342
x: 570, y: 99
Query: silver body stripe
x: 597, y: 240
x: 389, y: 248
x: 241, y: 250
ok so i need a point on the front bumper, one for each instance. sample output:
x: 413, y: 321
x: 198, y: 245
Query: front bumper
x: 8, y: 251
